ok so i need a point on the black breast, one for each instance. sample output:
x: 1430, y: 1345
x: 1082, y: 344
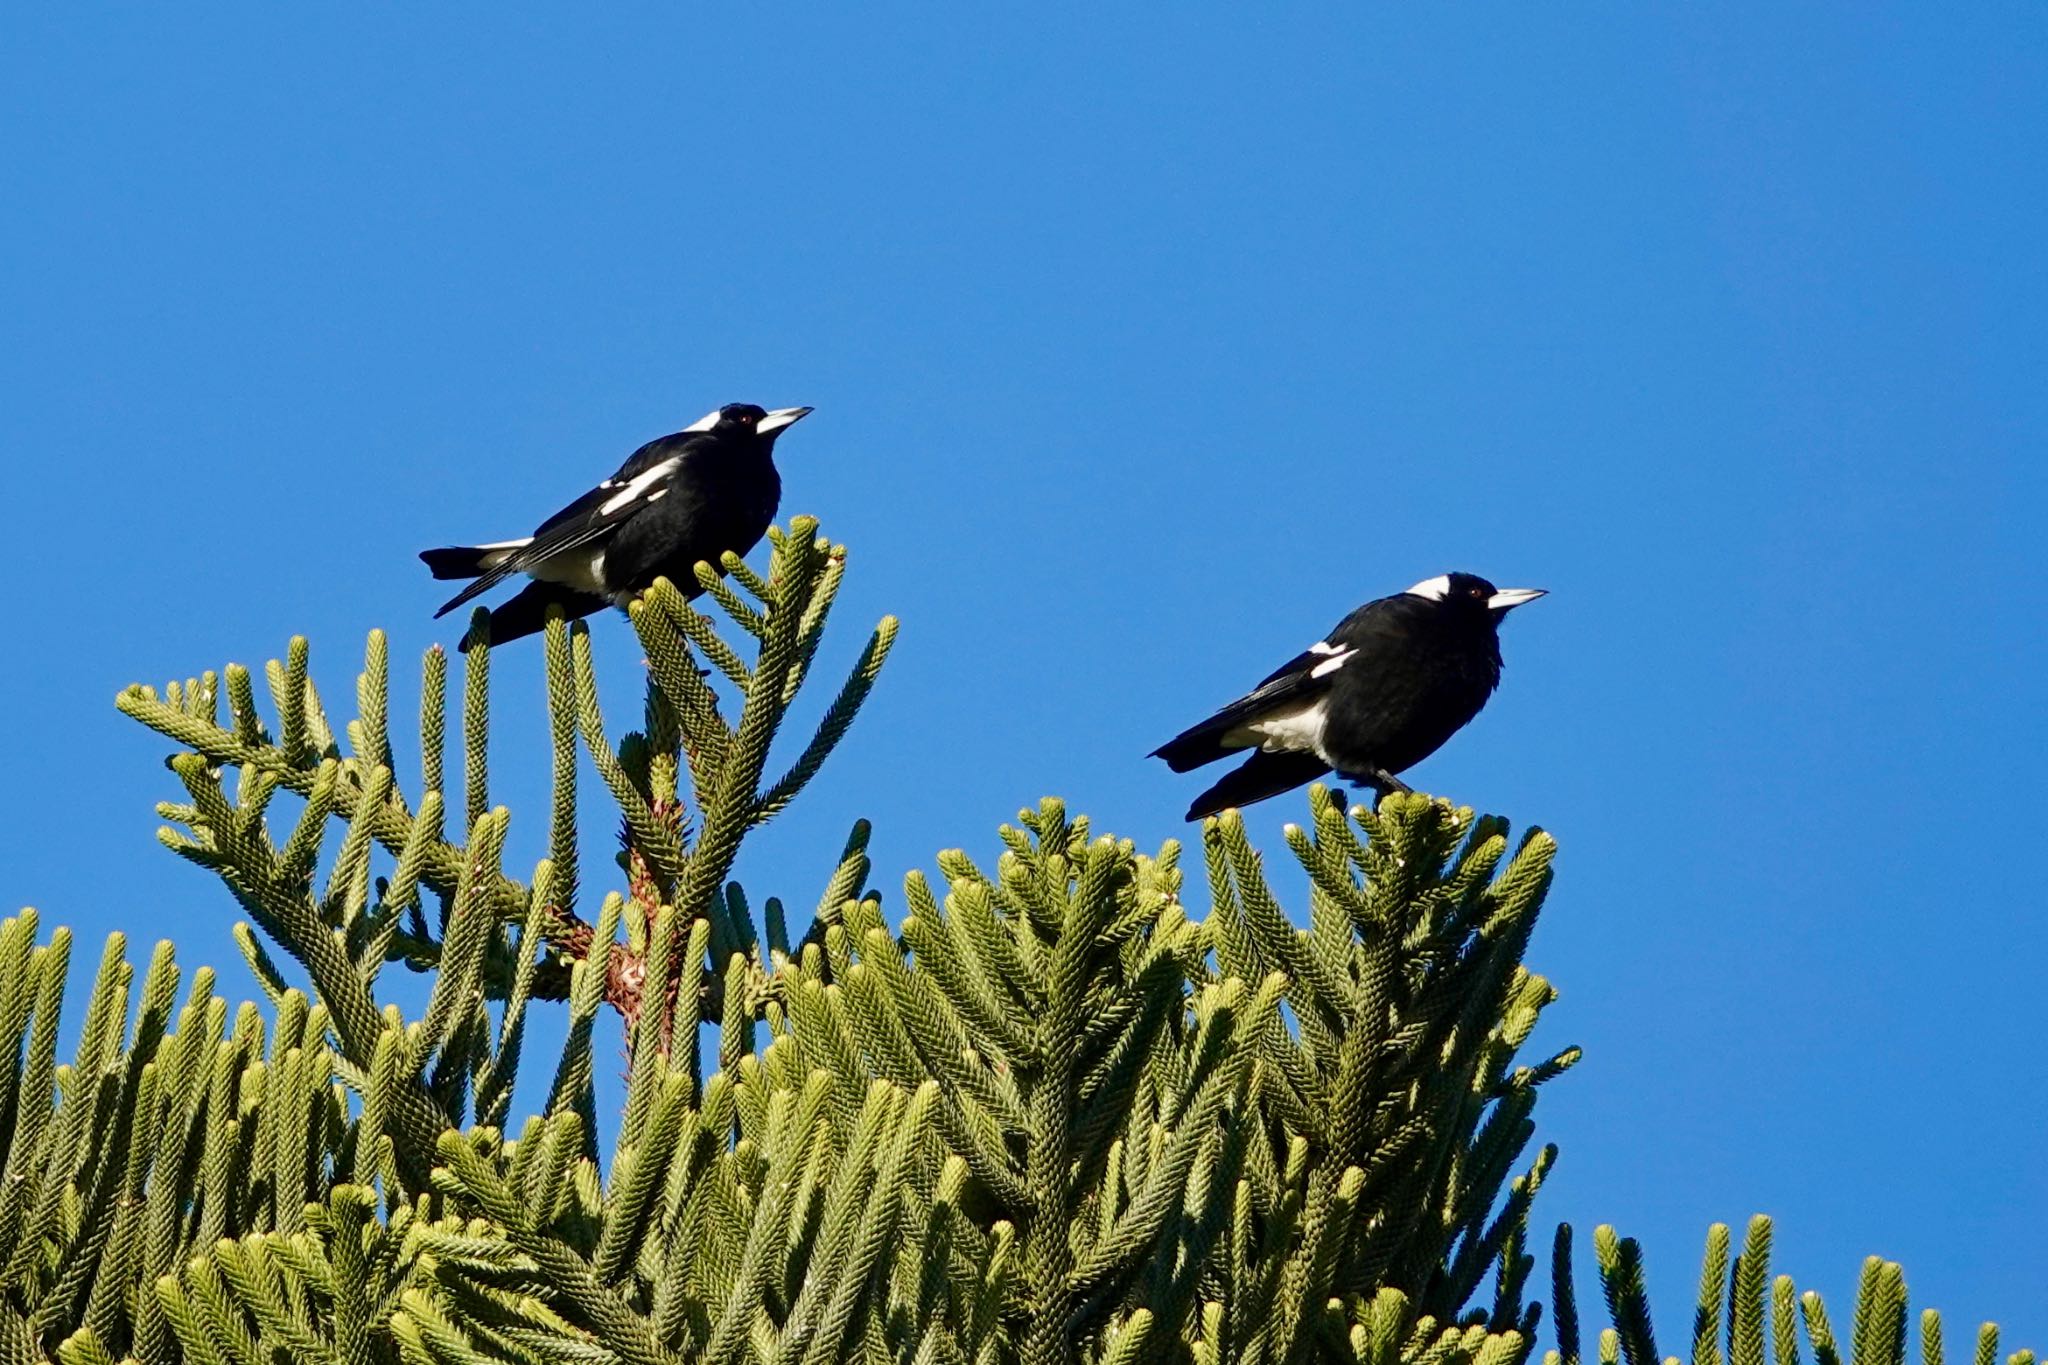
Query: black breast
x: 1407, y: 690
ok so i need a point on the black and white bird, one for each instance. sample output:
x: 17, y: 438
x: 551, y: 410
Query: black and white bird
x: 675, y: 502
x: 1375, y: 696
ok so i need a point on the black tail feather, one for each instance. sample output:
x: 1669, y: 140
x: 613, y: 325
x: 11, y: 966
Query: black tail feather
x: 455, y: 561
x: 526, y: 612
x: 1258, y: 777
x: 1193, y: 747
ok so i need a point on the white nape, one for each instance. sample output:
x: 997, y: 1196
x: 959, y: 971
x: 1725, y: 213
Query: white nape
x: 1435, y: 589
x: 704, y: 423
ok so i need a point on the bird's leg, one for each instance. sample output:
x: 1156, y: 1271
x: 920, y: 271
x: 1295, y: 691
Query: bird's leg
x: 1383, y: 783
x: 1388, y: 784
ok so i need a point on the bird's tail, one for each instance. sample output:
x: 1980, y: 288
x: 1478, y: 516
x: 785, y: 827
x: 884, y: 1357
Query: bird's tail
x: 1258, y: 777
x: 468, y: 561
x: 1193, y: 747
x: 526, y: 611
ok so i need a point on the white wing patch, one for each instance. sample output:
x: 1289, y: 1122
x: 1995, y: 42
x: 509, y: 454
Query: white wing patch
x: 1435, y: 589
x: 633, y: 491
x: 1325, y: 647
x: 1330, y: 665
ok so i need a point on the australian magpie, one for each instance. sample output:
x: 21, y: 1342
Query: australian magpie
x: 1377, y: 695
x: 675, y: 502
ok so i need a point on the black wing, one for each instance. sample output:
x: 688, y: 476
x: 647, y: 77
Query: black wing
x: 674, y: 447
x: 1293, y: 681
x: 566, y: 536
x: 582, y: 521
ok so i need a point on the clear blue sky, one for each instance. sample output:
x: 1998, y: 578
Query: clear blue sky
x: 1143, y: 348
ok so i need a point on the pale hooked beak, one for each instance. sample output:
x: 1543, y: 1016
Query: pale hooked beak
x: 780, y: 418
x: 1509, y: 598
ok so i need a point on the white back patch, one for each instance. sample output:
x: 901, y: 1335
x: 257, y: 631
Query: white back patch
x: 1298, y: 729
x: 704, y: 423
x: 581, y: 568
x: 1435, y: 589
x: 641, y: 482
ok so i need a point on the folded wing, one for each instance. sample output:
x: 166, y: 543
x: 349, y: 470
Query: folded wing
x: 590, y: 518
x: 1295, y: 682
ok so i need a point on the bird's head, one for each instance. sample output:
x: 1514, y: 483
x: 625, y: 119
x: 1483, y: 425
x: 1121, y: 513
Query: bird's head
x: 747, y: 420
x: 1468, y: 594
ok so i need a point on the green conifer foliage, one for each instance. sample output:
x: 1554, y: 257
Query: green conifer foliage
x: 1052, y: 1114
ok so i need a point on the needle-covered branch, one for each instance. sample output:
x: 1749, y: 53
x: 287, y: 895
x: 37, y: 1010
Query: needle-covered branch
x: 1049, y: 1114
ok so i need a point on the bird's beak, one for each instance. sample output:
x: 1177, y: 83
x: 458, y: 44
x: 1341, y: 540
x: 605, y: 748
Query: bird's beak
x: 780, y: 418
x: 1509, y: 598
